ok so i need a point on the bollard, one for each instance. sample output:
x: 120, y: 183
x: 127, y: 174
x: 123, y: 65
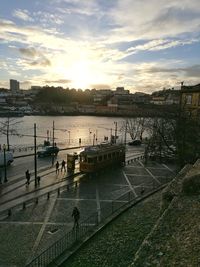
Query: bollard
x: 36, y: 200
x: 58, y: 191
x: 76, y: 184
x: 48, y: 195
x: 9, y: 212
x: 24, y: 206
x: 129, y: 196
x: 67, y: 187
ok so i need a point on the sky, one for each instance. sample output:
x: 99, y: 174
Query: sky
x: 142, y: 45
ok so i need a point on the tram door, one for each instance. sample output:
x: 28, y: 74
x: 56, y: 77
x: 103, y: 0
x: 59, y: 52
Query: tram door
x: 71, y: 158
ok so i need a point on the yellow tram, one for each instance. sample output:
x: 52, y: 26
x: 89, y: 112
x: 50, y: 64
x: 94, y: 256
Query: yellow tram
x: 95, y: 158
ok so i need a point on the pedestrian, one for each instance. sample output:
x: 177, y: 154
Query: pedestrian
x: 63, y: 165
x: 76, y: 216
x: 38, y: 180
x: 57, y: 167
x: 28, y: 177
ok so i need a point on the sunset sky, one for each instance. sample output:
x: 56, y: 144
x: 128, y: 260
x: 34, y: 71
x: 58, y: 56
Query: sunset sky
x: 143, y: 45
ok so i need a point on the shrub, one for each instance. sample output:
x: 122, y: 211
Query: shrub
x: 191, y: 185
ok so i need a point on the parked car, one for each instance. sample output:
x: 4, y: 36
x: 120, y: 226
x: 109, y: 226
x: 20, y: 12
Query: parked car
x: 135, y: 143
x: 8, y: 156
x: 48, y: 151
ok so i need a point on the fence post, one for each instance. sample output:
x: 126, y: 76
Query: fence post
x: 129, y: 196
x: 36, y: 200
x: 112, y: 206
x: 48, y: 195
x: 58, y: 191
x: 24, y: 206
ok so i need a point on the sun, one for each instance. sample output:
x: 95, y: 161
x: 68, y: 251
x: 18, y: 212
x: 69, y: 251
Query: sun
x: 81, y: 74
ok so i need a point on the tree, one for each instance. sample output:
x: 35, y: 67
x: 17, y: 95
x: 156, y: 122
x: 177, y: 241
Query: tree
x: 8, y: 128
x: 135, y: 127
x: 178, y: 137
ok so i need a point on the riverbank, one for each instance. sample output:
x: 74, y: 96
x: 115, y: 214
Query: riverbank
x: 139, y: 111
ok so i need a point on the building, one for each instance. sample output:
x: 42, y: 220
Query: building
x: 14, y: 86
x: 190, y: 99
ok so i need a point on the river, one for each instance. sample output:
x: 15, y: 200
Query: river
x: 68, y: 130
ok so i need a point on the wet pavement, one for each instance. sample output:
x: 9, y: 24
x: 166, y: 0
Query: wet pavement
x: 32, y: 228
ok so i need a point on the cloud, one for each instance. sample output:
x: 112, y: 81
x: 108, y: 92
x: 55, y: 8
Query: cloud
x: 22, y: 14
x: 44, y: 62
x: 154, y: 19
x: 100, y: 86
x: 60, y: 81
x: 47, y: 18
x: 39, y: 58
x: 190, y: 71
x: 29, y: 52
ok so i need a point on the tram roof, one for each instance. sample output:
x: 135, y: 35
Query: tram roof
x: 102, y: 148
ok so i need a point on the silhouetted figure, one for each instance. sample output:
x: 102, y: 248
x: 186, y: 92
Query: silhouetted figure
x: 57, y: 167
x: 76, y: 216
x: 63, y: 165
x: 28, y: 177
x: 38, y: 180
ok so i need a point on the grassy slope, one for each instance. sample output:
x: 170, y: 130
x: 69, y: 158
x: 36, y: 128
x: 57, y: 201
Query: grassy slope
x: 176, y: 242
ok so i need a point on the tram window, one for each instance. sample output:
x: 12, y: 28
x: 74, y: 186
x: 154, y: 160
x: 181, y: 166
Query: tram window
x: 105, y: 156
x: 100, y: 158
x: 90, y: 160
x: 109, y: 156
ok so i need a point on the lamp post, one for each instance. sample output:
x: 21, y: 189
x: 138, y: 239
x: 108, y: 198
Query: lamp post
x: 69, y: 137
x: 5, y: 165
x: 115, y: 122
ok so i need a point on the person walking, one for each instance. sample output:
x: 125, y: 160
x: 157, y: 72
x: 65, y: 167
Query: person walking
x: 76, y: 216
x: 28, y: 177
x: 63, y: 165
x: 57, y: 167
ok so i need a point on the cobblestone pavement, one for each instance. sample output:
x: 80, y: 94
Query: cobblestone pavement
x: 28, y: 231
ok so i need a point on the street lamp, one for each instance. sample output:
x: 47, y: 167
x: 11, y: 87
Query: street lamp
x: 5, y: 165
x: 69, y: 137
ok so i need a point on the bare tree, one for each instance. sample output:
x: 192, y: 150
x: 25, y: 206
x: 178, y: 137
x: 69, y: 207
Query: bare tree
x: 135, y: 127
x: 8, y: 127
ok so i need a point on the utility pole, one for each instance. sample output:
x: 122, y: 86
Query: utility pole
x: 8, y: 129
x: 125, y: 133
x: 35, y: 153
x: 53, y: 144
x: 5, y: 164
x: 93, y: 138
x: 115, y: 131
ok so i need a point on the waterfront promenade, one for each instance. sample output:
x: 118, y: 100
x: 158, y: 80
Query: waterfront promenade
x: 34, y: 226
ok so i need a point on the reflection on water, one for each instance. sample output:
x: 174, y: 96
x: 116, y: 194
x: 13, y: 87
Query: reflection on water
x: 68, y: 129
